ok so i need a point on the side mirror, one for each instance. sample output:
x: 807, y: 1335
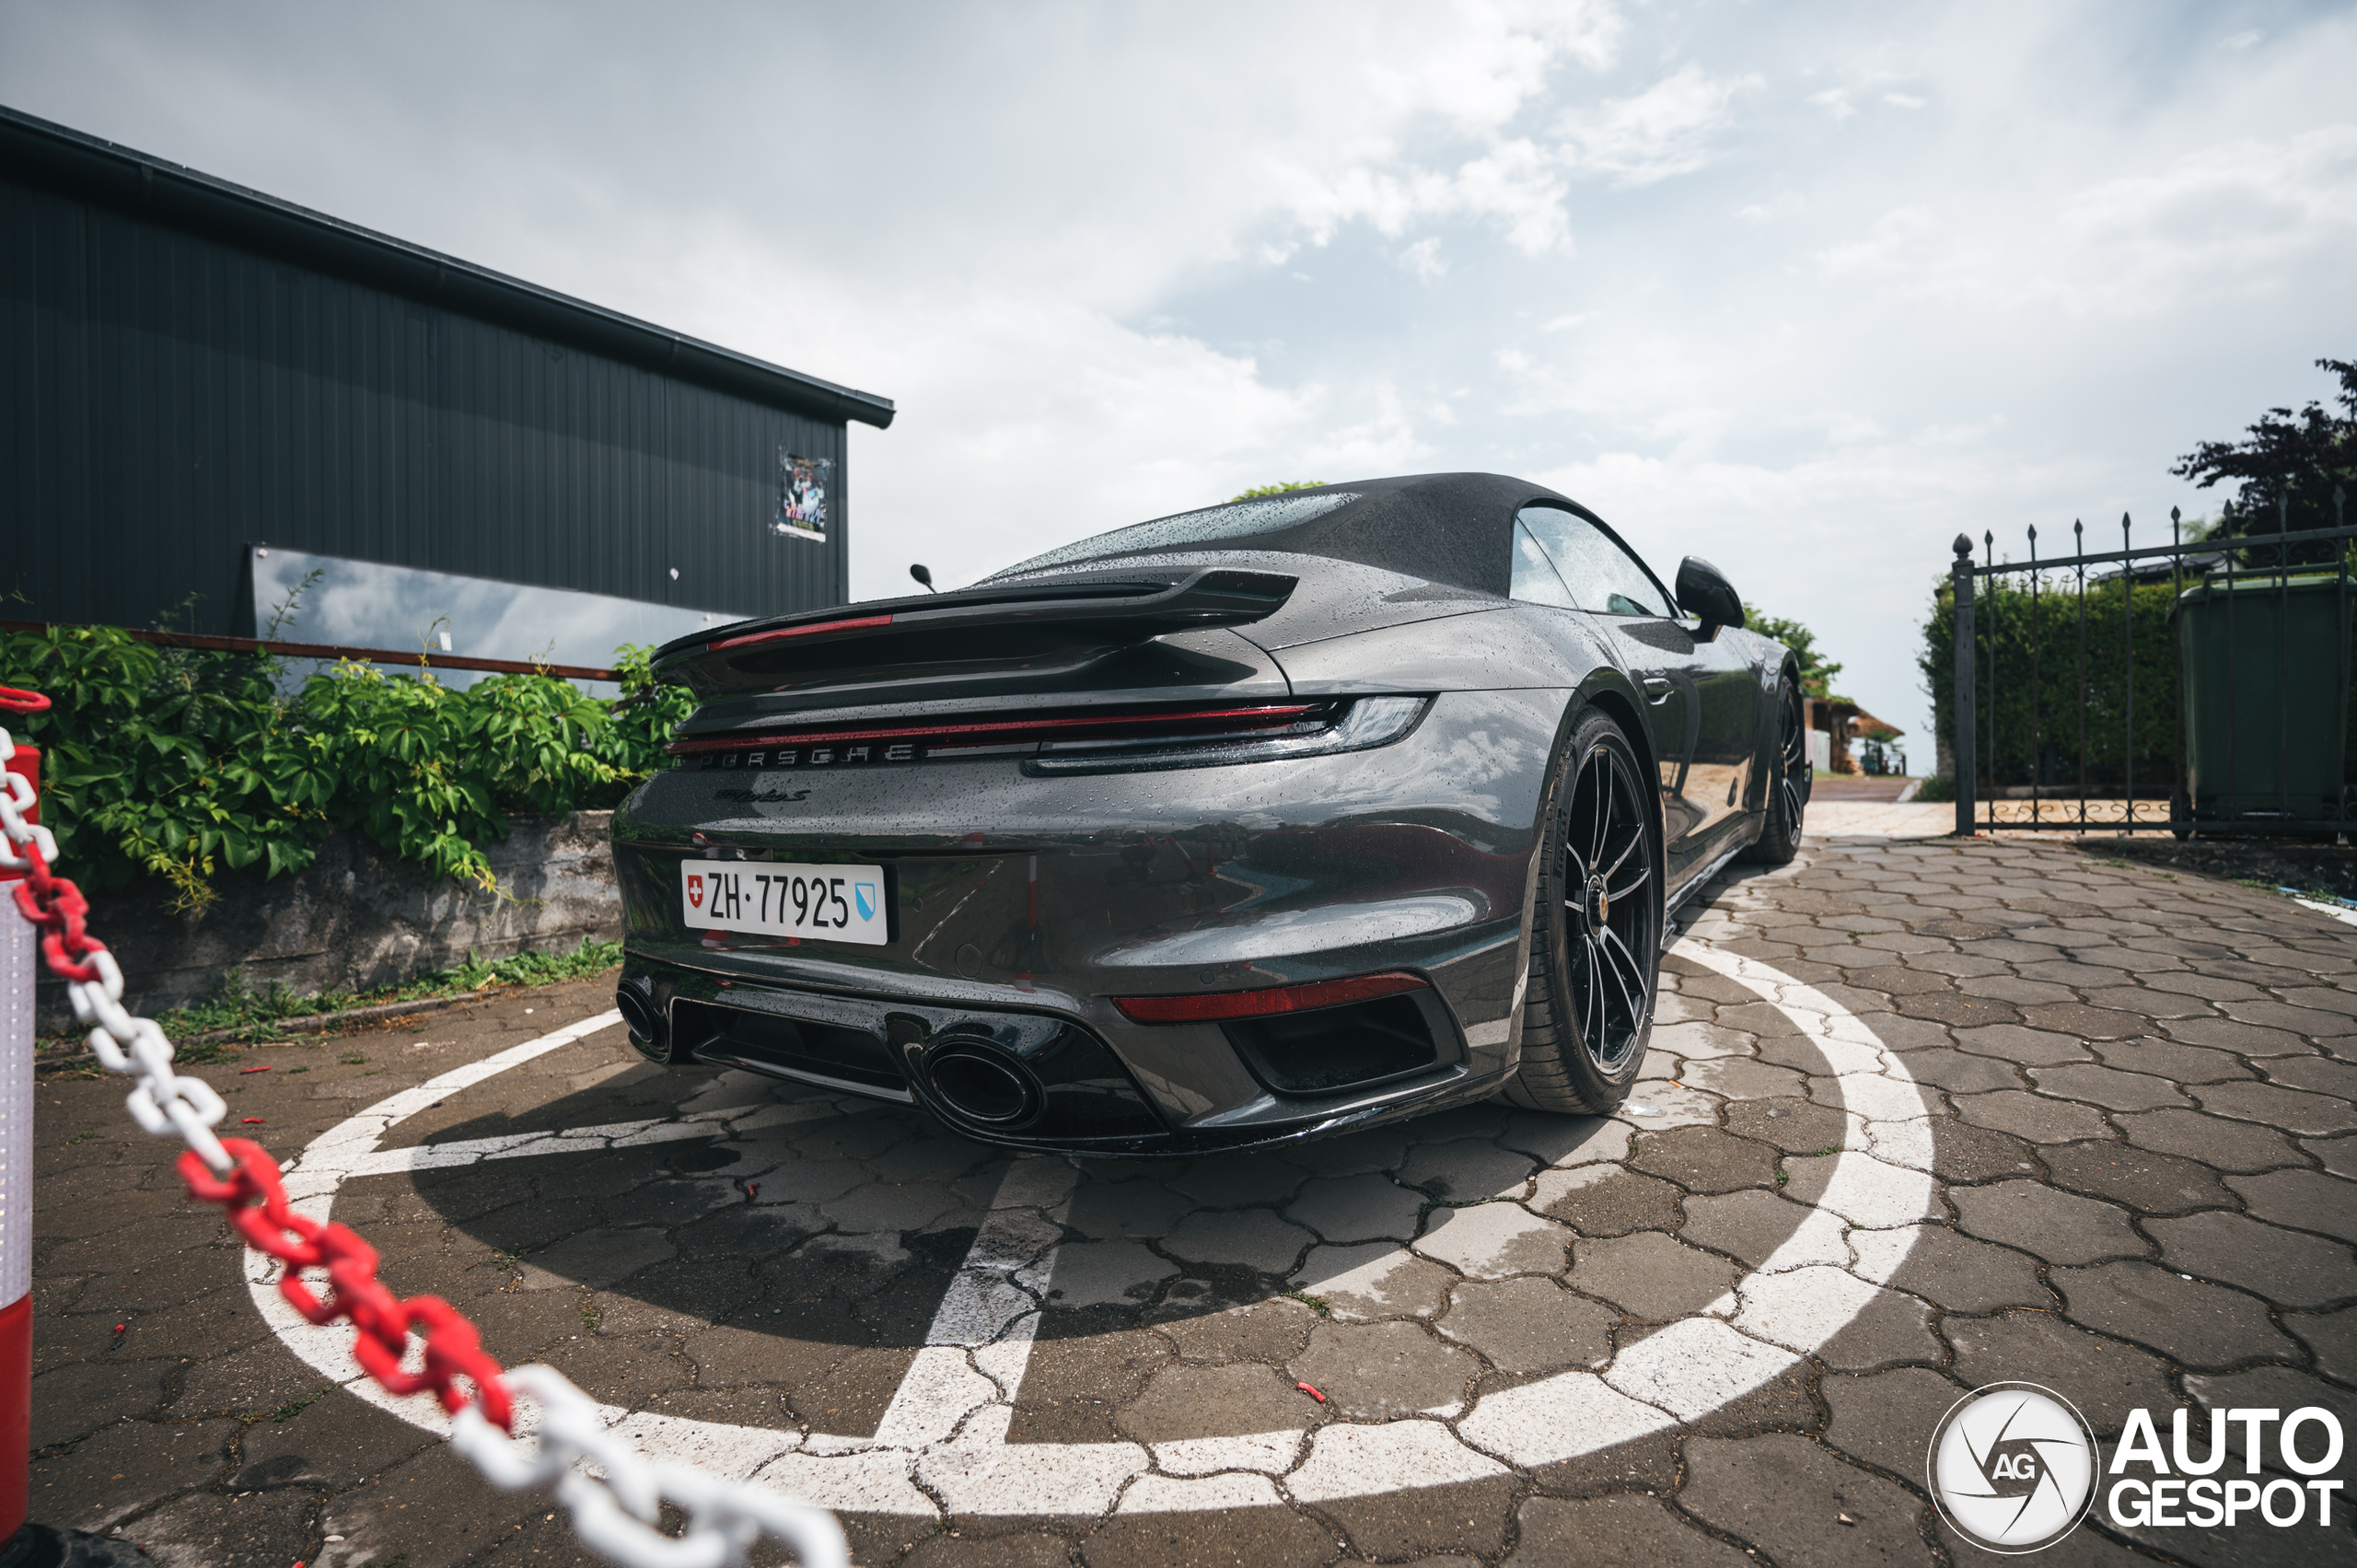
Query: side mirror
x: 1704, y: 593
x: 924, y: 576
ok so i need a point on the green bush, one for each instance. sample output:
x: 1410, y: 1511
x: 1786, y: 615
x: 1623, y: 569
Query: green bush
x: 179, y: 763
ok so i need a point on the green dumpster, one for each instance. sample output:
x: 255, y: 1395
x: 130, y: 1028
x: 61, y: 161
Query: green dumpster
x: 2263, y: 665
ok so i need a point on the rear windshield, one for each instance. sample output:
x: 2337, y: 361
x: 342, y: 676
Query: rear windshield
x: 1238, y: 519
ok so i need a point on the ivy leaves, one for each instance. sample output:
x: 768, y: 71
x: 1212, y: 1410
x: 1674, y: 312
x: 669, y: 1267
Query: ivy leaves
x: 182, y: 763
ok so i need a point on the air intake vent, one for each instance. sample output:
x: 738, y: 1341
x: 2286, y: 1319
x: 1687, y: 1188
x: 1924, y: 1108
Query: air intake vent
x: 1332, y: 1050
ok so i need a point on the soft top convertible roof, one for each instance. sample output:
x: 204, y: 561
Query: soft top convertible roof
x: 1454, y: 529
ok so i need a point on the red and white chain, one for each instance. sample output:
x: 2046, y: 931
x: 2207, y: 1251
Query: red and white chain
x: 613, y: 1513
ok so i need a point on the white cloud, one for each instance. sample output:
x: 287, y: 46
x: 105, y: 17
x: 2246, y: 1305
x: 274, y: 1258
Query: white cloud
x: 1669, y: 129
x: 1424, y: 259
x: 1904, y: 100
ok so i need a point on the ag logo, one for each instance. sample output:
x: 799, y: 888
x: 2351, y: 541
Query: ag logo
x: 2013, y: 1468
x: 695, y: 891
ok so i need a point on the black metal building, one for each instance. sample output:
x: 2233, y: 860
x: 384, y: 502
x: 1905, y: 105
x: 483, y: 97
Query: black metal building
x: 190, y: 370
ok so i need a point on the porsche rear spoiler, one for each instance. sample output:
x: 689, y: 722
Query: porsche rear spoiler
x: 1045, y: 622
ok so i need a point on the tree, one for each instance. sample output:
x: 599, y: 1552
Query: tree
x: 1254, y: 494
x: 1816, y: 673
x: 2287, y: 470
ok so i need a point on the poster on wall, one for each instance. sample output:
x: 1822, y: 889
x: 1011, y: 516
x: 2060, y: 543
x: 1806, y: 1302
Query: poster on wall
x: 802, y: 496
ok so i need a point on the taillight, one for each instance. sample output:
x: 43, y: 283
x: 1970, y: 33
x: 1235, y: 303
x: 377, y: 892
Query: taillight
x: 1220, y: 1007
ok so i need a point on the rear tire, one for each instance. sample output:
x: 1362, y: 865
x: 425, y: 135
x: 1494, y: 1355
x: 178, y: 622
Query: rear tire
x: 1788, y: 786
x: 1596, y: 929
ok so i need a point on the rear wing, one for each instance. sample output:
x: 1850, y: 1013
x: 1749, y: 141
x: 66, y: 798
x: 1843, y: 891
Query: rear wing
x: 1042, y: 624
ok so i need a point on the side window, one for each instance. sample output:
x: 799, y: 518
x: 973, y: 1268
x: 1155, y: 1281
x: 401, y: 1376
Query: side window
x: 1534, y: 575
x: 1599, y: 572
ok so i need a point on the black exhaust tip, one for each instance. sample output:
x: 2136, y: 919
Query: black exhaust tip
x: 985, y: 1088
x: 636, y: 1000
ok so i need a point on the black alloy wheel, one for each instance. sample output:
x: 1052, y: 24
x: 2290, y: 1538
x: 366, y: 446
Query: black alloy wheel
x: 1596, y: 929
x: 1788, y: 783
x: 1609, y: 909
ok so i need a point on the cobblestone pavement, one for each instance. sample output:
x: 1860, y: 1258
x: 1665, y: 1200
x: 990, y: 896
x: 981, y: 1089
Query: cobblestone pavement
x: 1718, y: 1329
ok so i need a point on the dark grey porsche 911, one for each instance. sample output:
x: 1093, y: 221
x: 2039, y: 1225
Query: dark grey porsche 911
x: 1253, y: 823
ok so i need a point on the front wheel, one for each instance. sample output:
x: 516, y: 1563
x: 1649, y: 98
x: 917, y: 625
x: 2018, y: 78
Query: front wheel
x: 1595, y: 938
x: 1788, y: 786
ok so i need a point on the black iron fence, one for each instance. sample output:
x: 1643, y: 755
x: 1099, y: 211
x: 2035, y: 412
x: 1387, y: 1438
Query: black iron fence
x: 2200, y: 686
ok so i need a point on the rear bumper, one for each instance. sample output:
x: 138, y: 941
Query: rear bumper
x: 1083, y: 1097
x: 1021, y: 905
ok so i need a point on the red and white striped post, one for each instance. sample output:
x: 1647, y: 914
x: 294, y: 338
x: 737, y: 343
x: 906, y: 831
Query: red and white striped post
x: 19, y: 948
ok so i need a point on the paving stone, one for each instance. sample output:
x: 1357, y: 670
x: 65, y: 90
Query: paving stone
x: 1025, y: 1550
x: 1230, y: 1181
x: 207, y: 1528
x: 2056, y: 1226
x: 1555, y: 1531
x: 1215, y: 1538
x: 1886, y: 1419
x: 1528, y: 1325
x: 1485, y: 1119
x: 2032, y: 1117
x: 2242, y: 1040
x: 2195, y: 1324
x: 1962, y: 1073
x: 2107, y: 1087
x: 2294, y: 1110
x: 1132, y: 1209
x: 1377, y: 1371
x: 1605, y: 1199
x: 1348, y: 1463
x: 1188, y: 1402
x: 890, y: 1206
x: 1255, y: 1238
x: 1467, y: 1170
x: 1787, y: 1495
x: 1752, y: 1226
x: 1941, y: 1265
x: 1650, y: 1275
x: 1704, y: 1159
x: 1493, y: 1241
x: 1357, y: 1208
x: 2104, y: 1377
x: 2332, y: 1336
x: 1080, y: 1373
x: 2273, y: 1014
x: 1100, y: 1273
x: 2166, y: 1059
x: 2082, y: 1022
x: 1795, y: 1126
x: 129, y: 1466
x: 594, y: 1258
x: 2145, y: 1182
x: 2024, y: 1047
x: 2302, y: 1199
x: 2211, y: 1140
x: 2338, y: 1155
x: 2321, y: 1073
x: 1267, y: 1330
x: 1740, y: 1077
x: 1961, y: 1152
x: 1566, y: 1140
x: 1374, y: 1280
x: 2289, y: 1268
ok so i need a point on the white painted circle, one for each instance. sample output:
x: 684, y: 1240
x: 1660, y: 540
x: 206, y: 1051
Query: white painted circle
x: 947, y: 1427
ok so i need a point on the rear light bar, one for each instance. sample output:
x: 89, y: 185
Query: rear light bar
x: 1005, y: 732
x: 1221, y: 1006
x: 750, y: 638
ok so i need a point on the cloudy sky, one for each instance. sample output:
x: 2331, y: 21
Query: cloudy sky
x: 1803, y: 289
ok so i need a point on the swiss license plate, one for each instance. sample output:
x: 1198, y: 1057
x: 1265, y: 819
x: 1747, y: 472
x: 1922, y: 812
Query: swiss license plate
x: 834, y: 903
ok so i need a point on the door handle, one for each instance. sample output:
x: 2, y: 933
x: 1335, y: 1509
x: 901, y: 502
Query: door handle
x: 1658, y: 690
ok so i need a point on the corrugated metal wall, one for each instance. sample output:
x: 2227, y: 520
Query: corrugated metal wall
x: 166, y: 401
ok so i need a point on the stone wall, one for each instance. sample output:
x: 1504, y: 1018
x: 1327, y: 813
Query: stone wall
x: 356, y: 917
